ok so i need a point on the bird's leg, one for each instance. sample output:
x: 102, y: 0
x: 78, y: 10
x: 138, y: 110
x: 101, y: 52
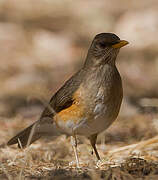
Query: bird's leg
x: 93, y: 140
x: 92, y: 152
x: 74, y: 145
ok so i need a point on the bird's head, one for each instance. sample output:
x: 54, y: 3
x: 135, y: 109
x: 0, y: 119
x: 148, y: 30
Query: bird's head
x: 104, y: 48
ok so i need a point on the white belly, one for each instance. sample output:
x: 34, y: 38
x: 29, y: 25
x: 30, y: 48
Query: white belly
x: 99, y: 123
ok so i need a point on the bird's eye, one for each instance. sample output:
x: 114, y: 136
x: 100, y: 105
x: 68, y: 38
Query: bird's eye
x: 102, y: 45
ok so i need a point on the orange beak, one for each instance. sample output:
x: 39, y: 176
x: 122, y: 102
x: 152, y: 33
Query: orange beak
x: 120, y: 44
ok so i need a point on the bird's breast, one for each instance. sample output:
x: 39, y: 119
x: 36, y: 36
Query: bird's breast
x: 95, y: 106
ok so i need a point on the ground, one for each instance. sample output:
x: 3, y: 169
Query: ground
x: 123, y: 155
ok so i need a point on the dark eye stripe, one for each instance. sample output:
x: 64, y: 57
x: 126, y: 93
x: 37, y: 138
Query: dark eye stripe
x: 115, y: 42
x: 102, y: 45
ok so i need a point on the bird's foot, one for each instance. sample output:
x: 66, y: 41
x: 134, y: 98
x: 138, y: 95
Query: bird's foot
x: 100, y: 163
x: 77, y: 165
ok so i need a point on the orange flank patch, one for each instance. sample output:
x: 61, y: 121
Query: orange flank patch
x: 73, y: 113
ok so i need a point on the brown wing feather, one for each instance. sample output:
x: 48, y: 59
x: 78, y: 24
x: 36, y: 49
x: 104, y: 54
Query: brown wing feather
x: 61, y: 100
x: 63, y: 97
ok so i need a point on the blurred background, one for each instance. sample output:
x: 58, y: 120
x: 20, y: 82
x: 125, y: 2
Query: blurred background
x: 43, y: 42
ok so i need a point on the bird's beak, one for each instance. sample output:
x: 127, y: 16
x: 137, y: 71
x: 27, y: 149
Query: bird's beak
x: 120, y: 44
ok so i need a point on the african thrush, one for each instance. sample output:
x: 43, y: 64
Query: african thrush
x: 88, y: 102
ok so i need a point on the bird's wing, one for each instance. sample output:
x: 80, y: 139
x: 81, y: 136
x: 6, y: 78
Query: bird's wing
x: 63, y: 98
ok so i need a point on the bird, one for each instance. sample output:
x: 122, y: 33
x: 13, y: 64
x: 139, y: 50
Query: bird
x: 88, y: 102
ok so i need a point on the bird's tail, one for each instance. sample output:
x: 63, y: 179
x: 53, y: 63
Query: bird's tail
x: 25, y: 137
x: 42, y: 127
